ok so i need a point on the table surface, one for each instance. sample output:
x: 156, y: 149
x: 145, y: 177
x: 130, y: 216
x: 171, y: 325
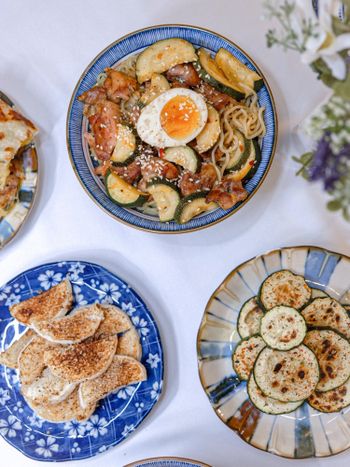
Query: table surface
x: 44, y: 47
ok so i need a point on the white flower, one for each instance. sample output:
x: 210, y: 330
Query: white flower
x: 4, y: 396
x: 12, y: 376
x: 77, y: 268
x: 324, y: 44
x: 141, y: 325
x: 153, y: 360
x: 127, y: 429
x: 126, y: 392
x: 79, y: 298
x: 12, y: 299
x: 128, y: 308
x: 49, y: 279
x: 75, y: 448
x: 10, y: 426
x: 75, y: 429
x: 139, y: 406
x: 156, y: 389
x: 28, y: 435
x: 46, y: 447
x: 4, y: 292
x: 96, y: 426
x: 34, y: 420
x: 18, y: 407
x: 108, y: 293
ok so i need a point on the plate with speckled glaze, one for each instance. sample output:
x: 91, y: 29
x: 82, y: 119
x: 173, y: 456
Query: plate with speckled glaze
x: 167, y: 462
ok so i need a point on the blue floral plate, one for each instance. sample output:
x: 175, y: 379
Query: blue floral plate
x: 305, y: 432
x: 76, y: 124
x: 119, y: 414
x: 167, y: 462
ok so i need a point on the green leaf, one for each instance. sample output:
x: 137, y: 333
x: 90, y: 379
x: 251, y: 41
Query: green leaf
x: 334, y: 205
x: 324, y: 72
x: 342, y: 88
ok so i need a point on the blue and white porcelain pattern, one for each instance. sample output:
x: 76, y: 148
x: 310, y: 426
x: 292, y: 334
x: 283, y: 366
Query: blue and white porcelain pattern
x: 79, y: 152
x: 14, y: 219
x: 119, y: 414
x: 167, y: 462
x: 301, y: 434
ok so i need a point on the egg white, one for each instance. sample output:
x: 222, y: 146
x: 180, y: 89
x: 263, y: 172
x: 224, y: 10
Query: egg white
x: 149, y: 126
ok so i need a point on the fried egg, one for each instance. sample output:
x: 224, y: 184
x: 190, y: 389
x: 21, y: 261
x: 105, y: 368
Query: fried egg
x: 172, y: 119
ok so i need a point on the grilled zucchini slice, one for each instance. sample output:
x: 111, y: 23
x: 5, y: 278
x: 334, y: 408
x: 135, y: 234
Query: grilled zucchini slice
x: 125, y: 146
x: 184, y: 156
x: 249, y: 318
x: 254, y: 167
x: 245, y: 354
x: 210, y: 133
x: 333, y: 354
x: 327, y: 313
x: 166, y: 196
x: 240, y: 156
x: 159, y: 84
x: 284, y: 288
x: 288, y: 376
x: 161, y: 56
x: 208, y: 70
x: 122, y: 193
x: 283, y: 328
x: 236, y: 72
x: 331, y: 401
x: 318, y: 293
x: 266, y: 404
x: 191, y: 206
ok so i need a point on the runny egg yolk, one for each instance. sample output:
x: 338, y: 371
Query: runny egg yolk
x: 180, y: 117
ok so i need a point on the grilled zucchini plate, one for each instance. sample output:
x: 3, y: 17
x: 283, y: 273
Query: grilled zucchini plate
x: 273, y: 352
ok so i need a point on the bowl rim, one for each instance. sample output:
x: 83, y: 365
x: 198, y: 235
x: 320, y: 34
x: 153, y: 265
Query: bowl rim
x: 202, y: 324
x: 165, y: 458
x: 275, y: 119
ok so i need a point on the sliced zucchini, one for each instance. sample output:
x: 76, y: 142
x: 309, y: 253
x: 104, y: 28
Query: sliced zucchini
x: 284, y: 288
x: 125, y: 146
x: 236, y: 72
x: 327, y: 313
x: 333, y: 354
x: 331, y: 401
x: 266, y: 404
x: 122, y: 193
x: 184, y: 156
x: 159, y: 84
x: 249, y: 318
x: 318, y: 293
x: 245, y: 354
x: 255, y: 166
x: 288, y: 376
x: 240, y: 156
x: 191, y: 206
x: 211, y: 131
x: 283, y: 328
x: 162, y: 55
x: 208, y: 70
x: 166, y: 196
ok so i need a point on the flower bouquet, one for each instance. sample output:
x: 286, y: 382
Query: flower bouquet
x: 320, y: 32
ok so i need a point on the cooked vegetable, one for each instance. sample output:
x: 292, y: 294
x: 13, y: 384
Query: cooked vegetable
x: 333, y: 355
x: 166, y: 196
x: 208, y: 70
x: 162, y: 55
x: 122, y: 193
x: 327, y: 313
x: 236, y: 72
x: 210, y: 133
x: 284, y: 288
x: 267, y: 404
x: 245, y: 354
x: 331, y: 401
x: 125, y: 145
x: 159, y: 84
x: 318, y: 293
x: 240, y: 156
x: 249, y: 318
x: 257, y: 160
x: 191, y: 206
x: 283, y: 328
x: 184, y: 156
x: 288, y: 376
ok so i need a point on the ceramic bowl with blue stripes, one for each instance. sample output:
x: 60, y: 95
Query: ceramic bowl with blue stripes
x: 167, y: 462
x: 119, y: 414
x: 301, y: 434
x: 15, y: 218
x: 79, y: 152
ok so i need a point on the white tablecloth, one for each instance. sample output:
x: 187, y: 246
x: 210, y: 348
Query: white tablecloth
x: 44, y: 47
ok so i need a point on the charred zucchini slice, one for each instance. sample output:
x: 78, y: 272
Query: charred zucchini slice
x: 166, y: 196
x: 245, y: 354
x: 284, y: 288
x: 210, y: 133
x: 159, y: 84
x: 266, y: 404
x: 208, y: 70
x: 318, y: 293
x: 122, y: 193
x: 241, y: 155
x: 249, y: 318
x: 283, y: 328
x: 327, y: 313
x: 184, y: 156
x: 333, y: 354
x: 161, y: 56
x: 254, y: 167
x: 191, y: 206
x: 288, y: 376
x: 125, y: 146
x: 331, y: 401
